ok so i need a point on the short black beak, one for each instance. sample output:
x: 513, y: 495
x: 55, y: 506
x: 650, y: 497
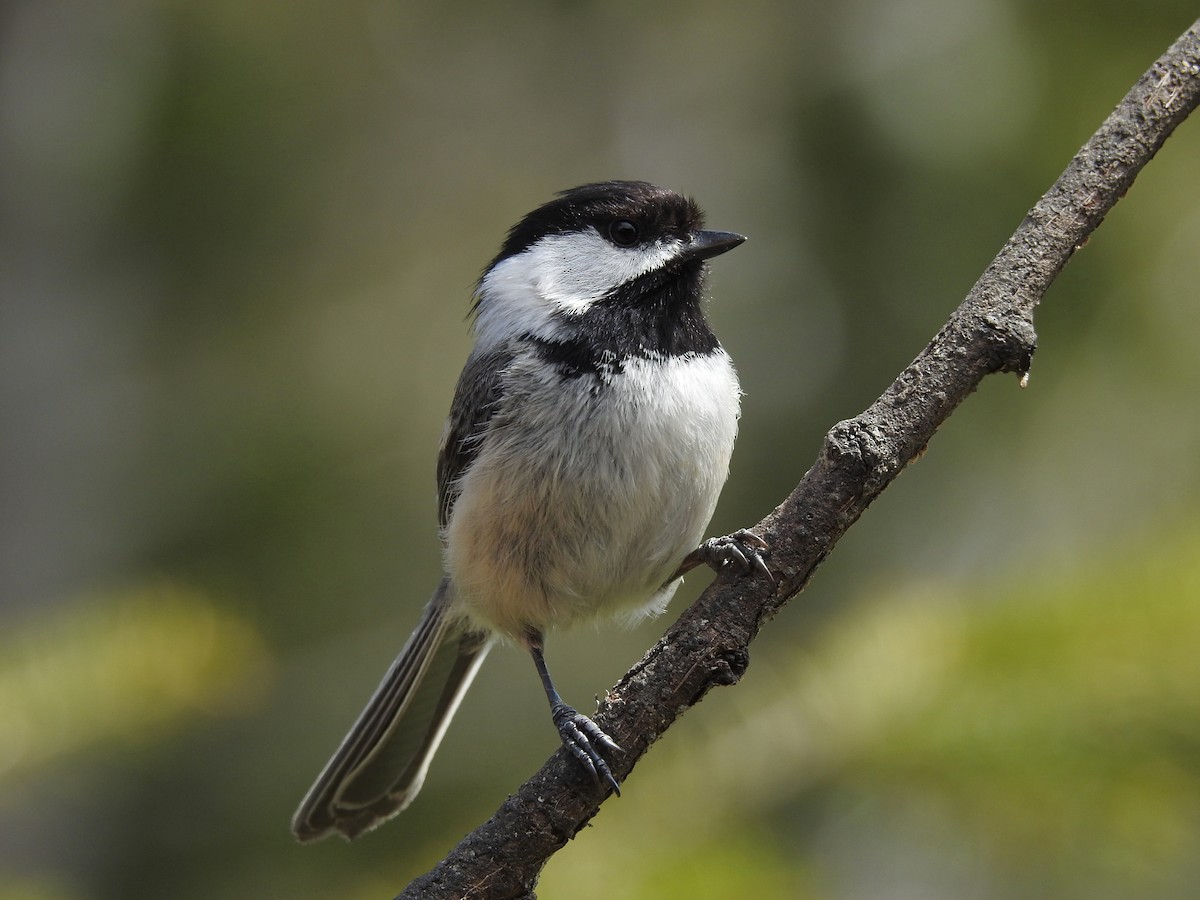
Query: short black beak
x: 707, y: 244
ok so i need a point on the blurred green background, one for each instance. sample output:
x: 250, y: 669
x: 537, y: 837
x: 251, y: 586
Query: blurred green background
x: 237, y: 242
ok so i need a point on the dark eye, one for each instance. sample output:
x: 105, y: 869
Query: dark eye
x: 623, y: 233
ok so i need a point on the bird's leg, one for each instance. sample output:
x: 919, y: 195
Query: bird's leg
x: 743, y: 548
x: 580, y: 735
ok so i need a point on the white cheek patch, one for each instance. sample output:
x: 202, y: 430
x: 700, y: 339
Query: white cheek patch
x: 560, y: 273
x: 575, y: 270
x: 508, y: 306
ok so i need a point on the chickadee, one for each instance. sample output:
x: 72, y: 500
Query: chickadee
x: 588, y: 441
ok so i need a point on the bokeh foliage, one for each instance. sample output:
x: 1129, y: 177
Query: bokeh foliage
x: 237, y: 243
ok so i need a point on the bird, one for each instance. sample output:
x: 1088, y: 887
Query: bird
x: 588, y: 441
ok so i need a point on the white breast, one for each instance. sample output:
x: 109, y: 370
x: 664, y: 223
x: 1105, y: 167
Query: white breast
x: 585, y: 496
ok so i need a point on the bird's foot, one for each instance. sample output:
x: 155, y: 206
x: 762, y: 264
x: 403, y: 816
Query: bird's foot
x: 583, y: 738
x: 743, y: 548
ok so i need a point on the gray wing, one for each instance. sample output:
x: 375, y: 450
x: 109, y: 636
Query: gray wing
x: 476, y: 400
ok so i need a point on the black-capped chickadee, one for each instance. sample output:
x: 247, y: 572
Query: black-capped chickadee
x: 588, y: 441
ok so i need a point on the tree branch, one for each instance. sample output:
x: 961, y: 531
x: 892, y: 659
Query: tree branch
x: 992, y: 331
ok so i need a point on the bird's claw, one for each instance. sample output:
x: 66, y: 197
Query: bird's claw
x: 743, y: 548
x: 581, y: 736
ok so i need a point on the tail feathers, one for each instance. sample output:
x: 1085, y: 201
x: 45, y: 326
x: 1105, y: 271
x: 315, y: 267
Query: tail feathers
x: 381, y: 763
